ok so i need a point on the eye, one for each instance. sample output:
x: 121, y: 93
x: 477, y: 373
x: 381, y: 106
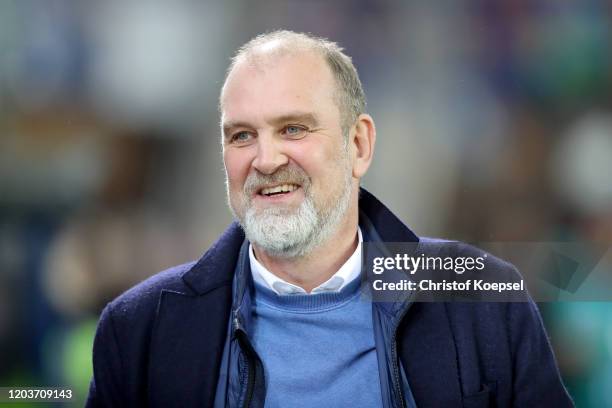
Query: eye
x: 241, y: 137
x: 294, y: 131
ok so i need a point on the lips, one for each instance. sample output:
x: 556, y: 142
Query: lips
x: 278, y: 189
x: 286, y: 182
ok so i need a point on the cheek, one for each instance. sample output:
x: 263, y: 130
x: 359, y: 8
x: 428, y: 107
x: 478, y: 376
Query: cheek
x: 322, y: 166
x: 312, y: 157
x: 237, y: 168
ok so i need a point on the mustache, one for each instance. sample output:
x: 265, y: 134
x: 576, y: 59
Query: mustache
x: 286, y: 175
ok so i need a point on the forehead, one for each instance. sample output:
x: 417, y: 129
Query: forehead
x: 271, y: 85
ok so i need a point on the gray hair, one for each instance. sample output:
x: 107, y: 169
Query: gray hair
x: 349, y: 96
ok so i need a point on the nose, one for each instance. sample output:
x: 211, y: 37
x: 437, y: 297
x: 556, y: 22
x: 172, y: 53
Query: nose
x: 270, y: 155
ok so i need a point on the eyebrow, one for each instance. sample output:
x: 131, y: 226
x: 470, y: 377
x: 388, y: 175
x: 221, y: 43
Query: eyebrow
x: 300, y: 117
x: 291, y: 117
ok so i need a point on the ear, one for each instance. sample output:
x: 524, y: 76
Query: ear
x: 362, y: 140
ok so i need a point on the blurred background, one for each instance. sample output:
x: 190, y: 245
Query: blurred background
x: 494, y: 121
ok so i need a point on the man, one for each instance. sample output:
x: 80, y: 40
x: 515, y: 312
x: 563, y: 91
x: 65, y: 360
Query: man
x: 272, y: 314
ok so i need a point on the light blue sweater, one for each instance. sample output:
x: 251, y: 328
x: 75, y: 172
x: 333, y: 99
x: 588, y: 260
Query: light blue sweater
x: 317, y: 350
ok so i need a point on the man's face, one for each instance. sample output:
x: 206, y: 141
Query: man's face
x: 288, y: 171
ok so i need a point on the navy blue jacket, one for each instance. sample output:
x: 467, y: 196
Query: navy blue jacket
x: 161, y: 342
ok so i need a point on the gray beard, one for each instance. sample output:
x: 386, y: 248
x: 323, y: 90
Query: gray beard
x: 286, y: 233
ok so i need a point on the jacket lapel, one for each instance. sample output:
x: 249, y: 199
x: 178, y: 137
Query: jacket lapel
x: 190, y: 329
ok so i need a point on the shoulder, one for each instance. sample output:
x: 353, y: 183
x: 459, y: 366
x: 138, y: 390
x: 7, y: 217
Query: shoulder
x: 137, y: 307
x: 496, y: 318
x: 142, y: 299
x: 490, y: 313
x: 126, y: 323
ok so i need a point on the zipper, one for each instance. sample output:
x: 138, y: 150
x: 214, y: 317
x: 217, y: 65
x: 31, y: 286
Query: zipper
x: 395, y: 360
x: 250, y: 379
x: 249, y: 361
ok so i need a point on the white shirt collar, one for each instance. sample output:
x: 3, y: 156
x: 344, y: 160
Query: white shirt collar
x: 347, y: 272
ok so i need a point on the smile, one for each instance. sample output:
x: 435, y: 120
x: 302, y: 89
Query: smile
x: 280, y: 189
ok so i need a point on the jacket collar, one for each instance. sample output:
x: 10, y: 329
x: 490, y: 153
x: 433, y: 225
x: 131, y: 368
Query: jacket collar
x: 216, y: 267
x: 388, y: 227
x: 381, y: 226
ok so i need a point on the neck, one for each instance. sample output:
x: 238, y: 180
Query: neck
x: 321, y: 263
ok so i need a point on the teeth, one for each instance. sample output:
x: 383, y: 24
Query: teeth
x: 284, y: 188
